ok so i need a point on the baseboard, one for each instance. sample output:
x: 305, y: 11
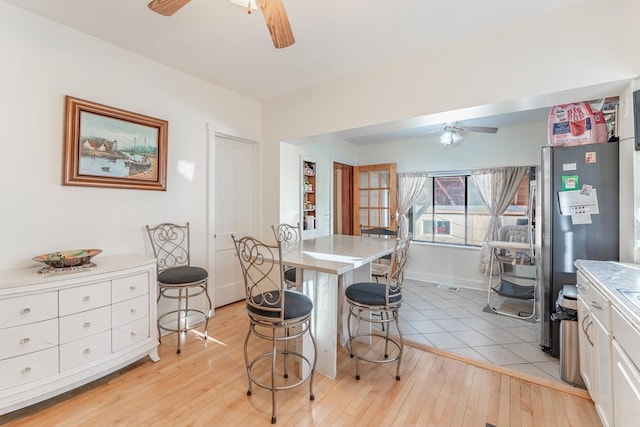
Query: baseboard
x: 449, y: 281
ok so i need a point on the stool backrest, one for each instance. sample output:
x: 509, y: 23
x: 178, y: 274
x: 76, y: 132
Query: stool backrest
x: 170, y: 244
x: 382, y: 232
x: 263, y: 277
x: 287, y: 233
x: 399, y: 258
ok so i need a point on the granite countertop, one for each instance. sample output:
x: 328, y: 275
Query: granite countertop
x: 620, y: 282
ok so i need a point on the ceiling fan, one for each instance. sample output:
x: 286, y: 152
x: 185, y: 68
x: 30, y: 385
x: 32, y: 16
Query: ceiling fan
x: 273, y: 11
x: 453, y: 134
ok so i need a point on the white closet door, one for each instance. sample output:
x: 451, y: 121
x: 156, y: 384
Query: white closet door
x: 234, y: 213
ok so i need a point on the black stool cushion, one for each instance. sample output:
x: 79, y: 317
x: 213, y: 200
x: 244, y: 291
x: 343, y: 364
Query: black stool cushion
x: 296, y: 304
x: 371, y: 293
x: 290, y: 274
x: 181, y: 275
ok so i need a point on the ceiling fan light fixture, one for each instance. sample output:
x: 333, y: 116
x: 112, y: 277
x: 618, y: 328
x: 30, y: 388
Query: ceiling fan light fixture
x: 249, y: 4
x: 450, y: 137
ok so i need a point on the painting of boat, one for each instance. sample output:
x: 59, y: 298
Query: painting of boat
x: 138, y: 166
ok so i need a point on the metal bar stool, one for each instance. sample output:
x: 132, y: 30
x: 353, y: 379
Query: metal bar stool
x: 288, y: 234
x: 276, y: 314
x: 178, y: 279
x: 378, y: 303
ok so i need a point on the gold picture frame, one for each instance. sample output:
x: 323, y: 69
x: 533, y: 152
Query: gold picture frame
x: 113, y: 148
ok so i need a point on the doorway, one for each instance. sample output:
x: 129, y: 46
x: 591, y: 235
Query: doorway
x: 375, y: 196
x: 342, y: 198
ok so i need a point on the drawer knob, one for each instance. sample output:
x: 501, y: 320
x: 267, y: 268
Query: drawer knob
x: 24, y: 341
x: 86, y: 299
x: 26, y: 370
x: 133, y: 334
x: 86, y: 351
x: 132, y: 287
x: 26, y: 310
x: 132, y: 311
x: 86, y: 325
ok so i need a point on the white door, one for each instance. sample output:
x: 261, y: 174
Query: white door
x: 233, y: 213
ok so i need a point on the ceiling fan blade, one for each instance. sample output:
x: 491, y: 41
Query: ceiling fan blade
x: 167, y: 7
x: 277, y: 21
x: 479, y: 129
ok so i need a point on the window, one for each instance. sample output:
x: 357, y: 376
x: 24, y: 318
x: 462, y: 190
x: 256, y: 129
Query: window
x: 450, y: 210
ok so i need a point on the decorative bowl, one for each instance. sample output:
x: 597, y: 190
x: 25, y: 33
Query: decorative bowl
x: 72, y: 258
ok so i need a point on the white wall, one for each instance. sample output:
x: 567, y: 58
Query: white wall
x: 290, y: 179
x: 41, y: 63
x: 534, y: 65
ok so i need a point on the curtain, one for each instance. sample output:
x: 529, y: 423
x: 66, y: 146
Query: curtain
x: 497, y: 187
x: 410, y: 185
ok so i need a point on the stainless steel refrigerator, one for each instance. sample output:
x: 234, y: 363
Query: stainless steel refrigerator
x: 576, y: 218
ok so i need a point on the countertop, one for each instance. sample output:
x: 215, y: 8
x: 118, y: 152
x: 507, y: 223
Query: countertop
x: 616, y: 280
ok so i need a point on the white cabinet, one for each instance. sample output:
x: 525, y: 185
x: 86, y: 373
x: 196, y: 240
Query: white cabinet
x: 62, y: 330
x: 594, y: 315
x: 626, y: 374
x: 585, y: 343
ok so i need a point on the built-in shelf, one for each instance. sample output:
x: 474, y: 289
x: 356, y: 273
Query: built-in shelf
x: 308, y: 208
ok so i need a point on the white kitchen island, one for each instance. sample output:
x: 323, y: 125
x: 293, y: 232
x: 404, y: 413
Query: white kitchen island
x: 330, y: 264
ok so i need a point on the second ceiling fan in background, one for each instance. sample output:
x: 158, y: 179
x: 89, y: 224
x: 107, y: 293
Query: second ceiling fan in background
x: 453, y: 133
x: 273, y: 11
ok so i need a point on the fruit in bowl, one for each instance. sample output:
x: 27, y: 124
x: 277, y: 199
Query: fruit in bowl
x: 72, y: 258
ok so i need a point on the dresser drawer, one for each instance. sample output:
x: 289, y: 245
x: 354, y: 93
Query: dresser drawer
x: 130, y: 310
x: 86, y: 350
x: 30, y: 367
x: 129, y: 287
x: 83, y: 298
x: 81, y: 325
x: 28, y: 309
x: 131, y: 333
x: 29, y: 338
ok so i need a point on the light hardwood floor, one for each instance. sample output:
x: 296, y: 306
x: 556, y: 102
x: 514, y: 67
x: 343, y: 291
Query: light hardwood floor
x: 206, y: 385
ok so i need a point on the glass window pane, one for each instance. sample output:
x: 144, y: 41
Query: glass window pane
x: 384, y: 179
x: 385, y: 219
x: 363, y: 179
x: 384, y: 198
x: 375, y: 179
x: 477, y: 215
x: 449, y: 193
x: 374, y: 218
x: 364, y: 217
x: 374, y: 202
x: 420, y: 226
x: 364, y: 198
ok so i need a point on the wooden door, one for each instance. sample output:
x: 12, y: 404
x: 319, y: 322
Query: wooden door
x: 375, y: 196
x: 342, y: 198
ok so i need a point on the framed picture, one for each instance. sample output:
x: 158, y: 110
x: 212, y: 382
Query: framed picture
x: 113, y: 148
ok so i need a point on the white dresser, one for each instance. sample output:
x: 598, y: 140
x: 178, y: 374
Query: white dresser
x: 62, y: 330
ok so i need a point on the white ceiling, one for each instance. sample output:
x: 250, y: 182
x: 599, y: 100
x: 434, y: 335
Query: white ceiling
x: 219, y: 42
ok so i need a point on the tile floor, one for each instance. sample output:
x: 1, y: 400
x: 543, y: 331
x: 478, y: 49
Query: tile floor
x: 454, y: 320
